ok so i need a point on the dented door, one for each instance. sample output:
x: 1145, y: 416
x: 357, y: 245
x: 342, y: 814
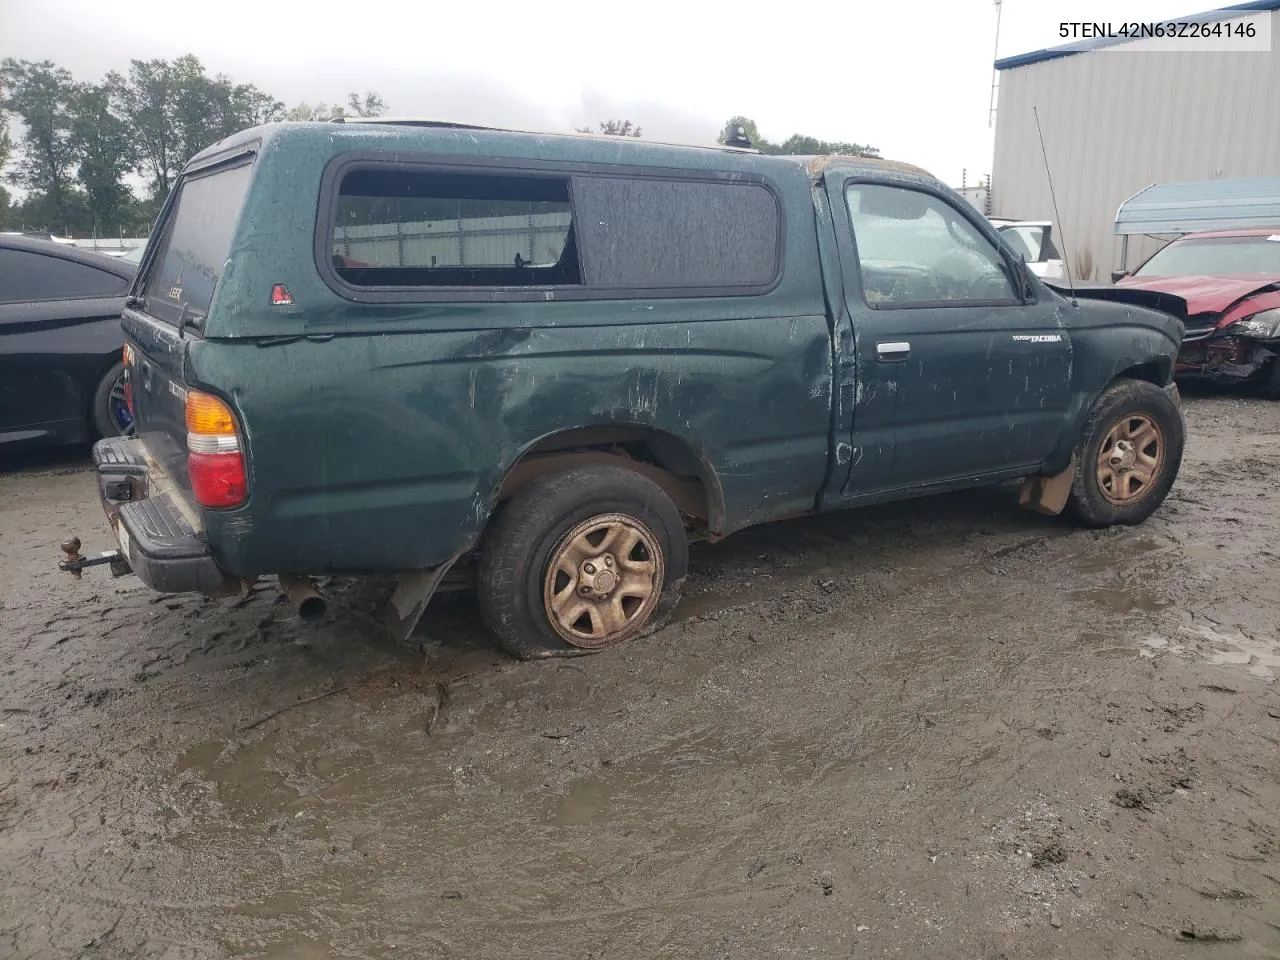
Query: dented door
x: 978, y: 380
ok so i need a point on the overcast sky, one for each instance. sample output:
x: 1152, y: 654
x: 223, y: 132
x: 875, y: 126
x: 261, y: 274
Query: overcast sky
x: 912, y: 78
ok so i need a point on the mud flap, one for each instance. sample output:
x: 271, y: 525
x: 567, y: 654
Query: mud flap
x: 411, y: 596
x: 1048, y: 495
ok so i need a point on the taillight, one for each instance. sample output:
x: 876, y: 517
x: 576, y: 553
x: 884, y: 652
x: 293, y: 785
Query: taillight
x: 215, y: 463
x: 126, y: 359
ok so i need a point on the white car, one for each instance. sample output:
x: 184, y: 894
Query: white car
x: 1034, y: 240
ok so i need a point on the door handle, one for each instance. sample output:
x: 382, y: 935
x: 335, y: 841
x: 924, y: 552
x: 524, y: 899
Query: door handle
x: 893, y: 351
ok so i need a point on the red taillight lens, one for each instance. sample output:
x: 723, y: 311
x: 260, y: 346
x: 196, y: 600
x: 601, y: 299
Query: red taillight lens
x: 217, y: 479
x: 128, y: 395
x: 215, y: 462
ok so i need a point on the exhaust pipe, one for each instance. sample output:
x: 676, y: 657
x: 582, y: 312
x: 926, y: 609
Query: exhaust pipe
x: 307, y: 602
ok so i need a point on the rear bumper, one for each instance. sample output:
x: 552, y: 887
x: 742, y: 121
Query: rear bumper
x: 156, y: 537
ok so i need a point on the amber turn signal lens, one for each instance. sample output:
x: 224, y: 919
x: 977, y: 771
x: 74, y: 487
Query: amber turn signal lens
x: 209, y: 415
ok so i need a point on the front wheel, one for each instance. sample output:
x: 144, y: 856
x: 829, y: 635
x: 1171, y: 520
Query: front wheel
x: 1128, y: 455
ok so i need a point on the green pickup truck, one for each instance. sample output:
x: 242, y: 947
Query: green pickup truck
x: 541, y: 365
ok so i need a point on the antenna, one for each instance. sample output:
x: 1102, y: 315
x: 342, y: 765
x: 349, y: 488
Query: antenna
x: 1057, y: 218
x: 995, y: 74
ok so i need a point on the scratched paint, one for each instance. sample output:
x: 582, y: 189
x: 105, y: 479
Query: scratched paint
x: 378, y: 432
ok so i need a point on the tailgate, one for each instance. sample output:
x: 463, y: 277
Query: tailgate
x: 171, y: 301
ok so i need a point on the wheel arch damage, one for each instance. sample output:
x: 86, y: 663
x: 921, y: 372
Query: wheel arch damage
x: 668, y: 460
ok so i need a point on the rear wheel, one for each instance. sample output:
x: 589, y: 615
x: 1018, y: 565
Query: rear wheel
x: 580, y: 561
x: 1128, y: 455
x: 111, y: 416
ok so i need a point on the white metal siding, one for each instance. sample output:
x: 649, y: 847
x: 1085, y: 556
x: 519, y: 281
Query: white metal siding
x: 478, y: 241
x: 1116, y: 121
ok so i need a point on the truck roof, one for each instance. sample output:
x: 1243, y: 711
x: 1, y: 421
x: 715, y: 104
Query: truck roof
x: 425, y: 131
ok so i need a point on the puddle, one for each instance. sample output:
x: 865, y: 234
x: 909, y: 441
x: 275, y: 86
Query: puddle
x: 1153, y: 645
x: 1117, y: 645
x: 631, y: 787
x: 1259, y: 658
x: 1116, y: 653
x: 1126, y: 593
x: 261, y: 778
x: 201, y: 758
x: 1126, y: 554
x: 298, y: 948
x: 1123, y: 600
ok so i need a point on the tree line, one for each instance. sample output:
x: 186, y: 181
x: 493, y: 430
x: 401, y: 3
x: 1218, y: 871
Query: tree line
x: 798, y: 144
x: 82, y: 145
x: 81, y: 142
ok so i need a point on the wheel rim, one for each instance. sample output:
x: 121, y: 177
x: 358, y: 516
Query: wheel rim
x: 118, y: 409
x: 1130, y: 459
x: 603, y: 580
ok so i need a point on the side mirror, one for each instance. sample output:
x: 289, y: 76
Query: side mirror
x: 1117, y: 275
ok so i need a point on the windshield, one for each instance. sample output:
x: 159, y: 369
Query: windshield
x: 194, y: 245
x: 1215, y: 256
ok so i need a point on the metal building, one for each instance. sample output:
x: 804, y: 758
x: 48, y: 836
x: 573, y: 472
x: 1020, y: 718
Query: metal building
x: 1117, y: 117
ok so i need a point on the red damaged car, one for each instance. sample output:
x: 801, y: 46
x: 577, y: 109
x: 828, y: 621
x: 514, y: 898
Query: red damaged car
x: 1230, y: 280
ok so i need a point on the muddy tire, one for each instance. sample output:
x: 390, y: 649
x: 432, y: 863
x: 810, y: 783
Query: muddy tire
x: 1127, y: 456
x: 110, y: 415
x: 580, y: 561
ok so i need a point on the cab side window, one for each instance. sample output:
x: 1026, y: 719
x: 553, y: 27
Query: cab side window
x: 915, y: 249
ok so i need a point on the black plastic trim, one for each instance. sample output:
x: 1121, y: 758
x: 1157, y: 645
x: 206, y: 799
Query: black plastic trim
x: 163, y: 550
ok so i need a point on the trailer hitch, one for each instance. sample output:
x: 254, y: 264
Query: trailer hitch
x: 75, y: 562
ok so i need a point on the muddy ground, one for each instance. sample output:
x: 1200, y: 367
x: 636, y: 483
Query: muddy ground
x: 946, y: 728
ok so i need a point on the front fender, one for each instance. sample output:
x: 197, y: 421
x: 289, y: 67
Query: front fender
x: 1114, y: 340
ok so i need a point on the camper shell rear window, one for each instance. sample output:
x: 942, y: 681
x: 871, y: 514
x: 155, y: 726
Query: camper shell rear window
x: 195, y: 240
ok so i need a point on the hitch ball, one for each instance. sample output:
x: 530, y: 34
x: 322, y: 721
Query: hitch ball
x: 72, y: 549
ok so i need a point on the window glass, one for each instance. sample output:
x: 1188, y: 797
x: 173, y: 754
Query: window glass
x: 1027, y: 241
x: 409, y: 228
x: 916, y: 248
x: 651, y: 234
x: 26, y: 276
x: 195, y: 243
x: 1215, y: 256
